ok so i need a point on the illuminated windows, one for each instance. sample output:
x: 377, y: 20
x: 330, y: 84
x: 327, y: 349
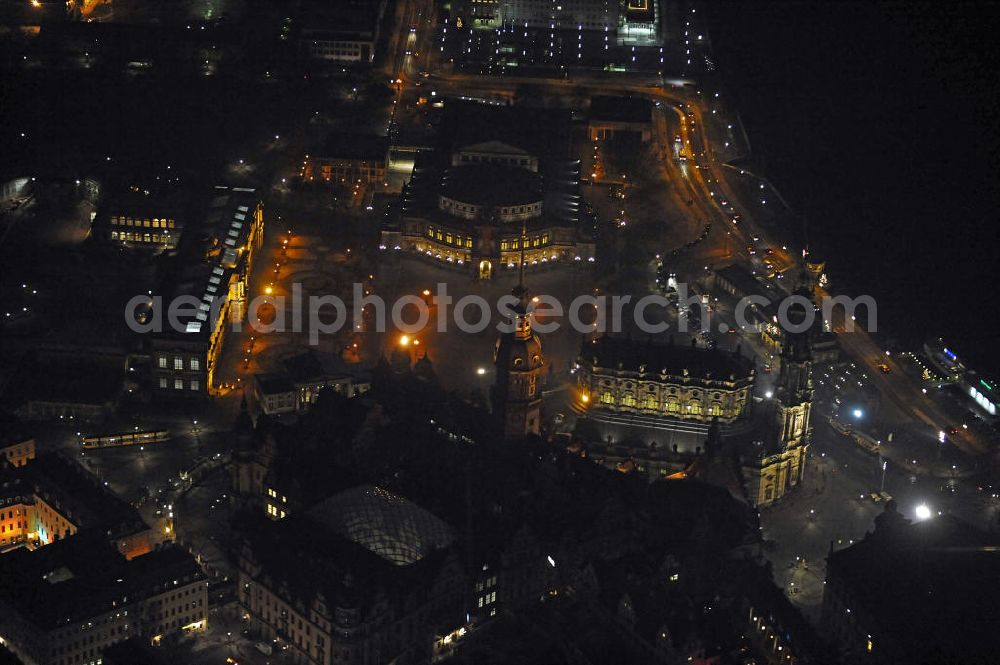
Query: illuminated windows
x: 162, y: 361
x: 195, y: 364
x: 178, y: 384
x: 195, y: 384
x: 607, y: 398
x: 178, y: 363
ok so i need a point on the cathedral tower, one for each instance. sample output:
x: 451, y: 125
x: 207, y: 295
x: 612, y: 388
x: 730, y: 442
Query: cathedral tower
x: 794, y: 391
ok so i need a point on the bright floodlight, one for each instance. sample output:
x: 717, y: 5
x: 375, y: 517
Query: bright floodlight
x: 858, y: 413
x: 480, y: 371
x: 769, y: 394
x: 923, y: 512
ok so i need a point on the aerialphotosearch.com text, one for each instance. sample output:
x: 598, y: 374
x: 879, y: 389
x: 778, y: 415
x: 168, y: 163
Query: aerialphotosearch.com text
x: 329, y: 314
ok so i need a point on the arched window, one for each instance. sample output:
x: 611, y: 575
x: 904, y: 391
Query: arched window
x: 715, y: 409
x: 628, y: 399
x: 672, y: 406
x: 694, y: 408
x: 649, y: 402
x: 607, y: 398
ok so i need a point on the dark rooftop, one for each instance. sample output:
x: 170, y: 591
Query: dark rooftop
x: 76, y: 491
x: 272, y: 384
x: 542, y: 132
x: 344, y: 145
x: 313, y: 366
x: 558, y: 183
x: 347, y: 17
x: 332, y: 564
x: 492, y: 185
x: 742, y: 279
x: 621, y: 109
x: 930, y: 584
x: 613, y: 352
x: 81, y: 576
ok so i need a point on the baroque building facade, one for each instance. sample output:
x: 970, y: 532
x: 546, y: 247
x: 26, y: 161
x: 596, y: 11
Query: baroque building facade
x: 780, y: 462
x: 621, y: 376
x: 496, y: 171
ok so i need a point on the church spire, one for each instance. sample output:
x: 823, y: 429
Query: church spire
x: 520, y: 272
x: 522, y: 321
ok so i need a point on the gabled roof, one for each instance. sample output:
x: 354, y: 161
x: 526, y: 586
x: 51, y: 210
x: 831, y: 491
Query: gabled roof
x: 612, y: 352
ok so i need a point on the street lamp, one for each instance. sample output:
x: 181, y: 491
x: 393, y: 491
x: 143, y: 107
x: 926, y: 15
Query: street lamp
x: 858, y: 413
x: 923, y: 512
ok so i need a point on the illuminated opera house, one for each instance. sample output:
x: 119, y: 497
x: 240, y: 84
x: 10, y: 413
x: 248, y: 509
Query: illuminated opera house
x: 496, y: 174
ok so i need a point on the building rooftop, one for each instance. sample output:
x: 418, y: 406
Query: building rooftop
x: 911, y: 576
x: 316, y: 366
x: 613, y: 353
x: 349, y: 18
x: 742, y: 279
x: 273, y: 384
x: 539, y: 131
x: 607, y: 108
x: 556, y: 184
x: 392, y: 527
x: 75, y: 492
x: 331, y: 567
x: 82, y: 576
x: 492, y: 185
x: 227, y: 226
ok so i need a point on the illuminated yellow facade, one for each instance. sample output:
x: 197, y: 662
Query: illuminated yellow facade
x: 467, y: 204
x: 780, y: 462
x: 622, y: 376
x: 32, y: 520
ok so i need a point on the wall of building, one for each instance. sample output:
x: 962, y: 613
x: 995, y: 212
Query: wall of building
x: 343, y: 171
x: 675, y: 397
x: 19, y: 453
x: 182, y: 606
